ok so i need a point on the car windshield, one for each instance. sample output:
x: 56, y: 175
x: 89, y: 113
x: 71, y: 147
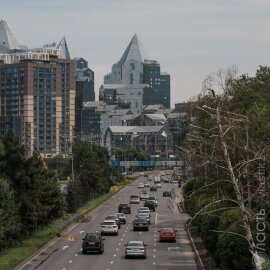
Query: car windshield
x: 135, y: 244
x: 140, y: 220
x: 167, y: 230
x: 143, y: 214
x: 134, y: 196
x: 108, y: 223
x: 91, y: 238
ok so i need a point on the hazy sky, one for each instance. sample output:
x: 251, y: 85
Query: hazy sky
x: 189, y: 38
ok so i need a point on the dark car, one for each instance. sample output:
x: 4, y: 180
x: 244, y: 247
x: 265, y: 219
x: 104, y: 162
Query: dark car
x: 150, y: 205
x: 153, y: 188
x: 167, y: 194
x: 124, y: 208
x: 93, y: 242
x: 140, y: 224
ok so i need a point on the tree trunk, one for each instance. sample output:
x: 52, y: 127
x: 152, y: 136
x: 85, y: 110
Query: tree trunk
x: 236, y: 185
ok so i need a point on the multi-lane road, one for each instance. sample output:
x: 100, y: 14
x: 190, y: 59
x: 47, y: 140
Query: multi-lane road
x: 63, y: 254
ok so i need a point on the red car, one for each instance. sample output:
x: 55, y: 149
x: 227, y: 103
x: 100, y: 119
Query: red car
x: 167, y: 234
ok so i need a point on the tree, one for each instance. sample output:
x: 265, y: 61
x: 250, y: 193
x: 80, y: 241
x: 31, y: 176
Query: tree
x: 10, y: 224
x: 226, y: 151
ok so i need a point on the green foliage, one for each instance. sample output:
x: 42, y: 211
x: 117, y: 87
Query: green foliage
x: 92, y: 174
x: 32, y: 192
x: 10, y: 225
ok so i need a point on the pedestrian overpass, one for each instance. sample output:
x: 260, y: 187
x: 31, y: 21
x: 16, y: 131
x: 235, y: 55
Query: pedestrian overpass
x: 147, y: 163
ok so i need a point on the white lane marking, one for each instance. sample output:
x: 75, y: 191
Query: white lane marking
x: 122, y: 239
x: 114, y: 255
x: 76, y: 254
x: 154, y: 256
x: 173, y: 248
x: 154, y: 250
x: 111, y: 262
x: 117, y: 249
x: 154, y: 263
x: 155, y: 235
x: 81, y: 232
x: 155, y: 244
x: 119, y: 244
x: 125, y: 231
x: 64, y: 268
x: 156, y: 219
x: 70, y: 261
x: 124, y: 235
x: 65, y: 247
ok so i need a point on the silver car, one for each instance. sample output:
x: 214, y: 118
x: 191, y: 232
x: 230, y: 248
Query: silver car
x: 135, y: 249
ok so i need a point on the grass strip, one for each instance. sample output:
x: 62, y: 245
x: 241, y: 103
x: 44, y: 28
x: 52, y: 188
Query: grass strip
x: 13, y: 256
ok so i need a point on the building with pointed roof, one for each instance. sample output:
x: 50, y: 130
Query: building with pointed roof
x: 135, y: 68
x: 7, y: 40
x: 63, y: 49
x: 37, y: 93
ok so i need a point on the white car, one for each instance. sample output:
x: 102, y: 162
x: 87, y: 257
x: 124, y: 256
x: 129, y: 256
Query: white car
x: 144, y: 195
x: 109, y: 226
x: 135, y: 198
x: 144, y: 210
x: 146, y: 184
x: 158, y: 185
x: 141, y: 185
x: 142, y: 173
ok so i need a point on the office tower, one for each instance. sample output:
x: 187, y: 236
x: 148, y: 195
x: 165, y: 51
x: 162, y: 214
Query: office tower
x: 84, y: 91
x: 134, y: 68
x: 37, y: 95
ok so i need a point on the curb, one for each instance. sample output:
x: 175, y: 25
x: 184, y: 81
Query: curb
x: 200, y: 264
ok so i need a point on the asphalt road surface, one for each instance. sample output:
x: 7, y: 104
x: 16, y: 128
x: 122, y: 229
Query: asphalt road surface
x: 63, y: 254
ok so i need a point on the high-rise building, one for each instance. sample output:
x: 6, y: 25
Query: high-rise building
x: 85, y: 91
x: 134, y: 68
x: 37, y: 95
x: 159, y: 91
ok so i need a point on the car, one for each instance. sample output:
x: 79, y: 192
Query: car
x: 141, y: 185
x: 122, y: 217
x: 166, y: 180
x: 146, y: 184
x: 167, y: 234
x: 140, y: 224
x: 153, y: 188
x: 154, y: 200
x: 124, y: 208
x: 135, y: 198
x: 158, y: 185
x: 145, y: 216
x: 135, y: 249
x: 109, y: 227
x: 150, y: 205
x: 144, y: 195
x: 115, y: 217
x: 92, y: 242
x: 141, y: 173
x: 167, y: 194
x: 144, y: 209
x: 150, y: 178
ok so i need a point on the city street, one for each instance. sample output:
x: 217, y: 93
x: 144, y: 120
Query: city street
x: 65, y: 254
